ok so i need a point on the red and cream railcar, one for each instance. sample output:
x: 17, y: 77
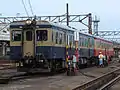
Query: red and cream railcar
x: 104, y: 46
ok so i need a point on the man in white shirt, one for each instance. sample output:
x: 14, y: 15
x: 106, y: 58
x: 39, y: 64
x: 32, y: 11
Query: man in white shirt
x: 74, y: 61
x: 100, y: 59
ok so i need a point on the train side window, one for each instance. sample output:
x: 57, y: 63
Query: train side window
x: 93, y: 45
x: 41, y: 35
x: 70, y: 40
x: 64, y: 37
x: 85, y: 42
x: 56, y: 37
x: 89, y: 42
x: 73, y: 41
x: 60, y: 38
x: 80, y: 41
x: 29, y: 35
x: 52, y: 36
x: 16, y: 35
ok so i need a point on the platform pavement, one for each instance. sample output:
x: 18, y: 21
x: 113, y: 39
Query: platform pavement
x: 4, y: 64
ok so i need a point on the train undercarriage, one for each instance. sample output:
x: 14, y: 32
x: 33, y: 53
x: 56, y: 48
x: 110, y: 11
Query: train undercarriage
x: 40, y: 64
x: 43, y: 65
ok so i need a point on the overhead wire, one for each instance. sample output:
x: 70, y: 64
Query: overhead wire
x: 2, y: 29
x: 25, y: 8
x: 31, y: 7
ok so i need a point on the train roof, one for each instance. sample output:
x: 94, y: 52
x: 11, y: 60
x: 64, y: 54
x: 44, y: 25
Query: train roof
x: 87, y: 34
x: 54, y: 24
x: 99, y: 38
x: 96, y: 37
x: 42, y: 22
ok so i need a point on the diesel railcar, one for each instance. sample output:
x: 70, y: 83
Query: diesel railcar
x: 86, y: 49
x: 104, y: 46
x: 89, y: 48
x: 43, y: 45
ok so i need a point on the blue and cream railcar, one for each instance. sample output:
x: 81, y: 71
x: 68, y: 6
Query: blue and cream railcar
x: 46, y: 43
x: 86, y: 48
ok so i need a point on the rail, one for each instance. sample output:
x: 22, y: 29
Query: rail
x: 111, y: 83
x: 98, y: 82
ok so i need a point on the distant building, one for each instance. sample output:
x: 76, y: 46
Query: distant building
x: 4, y: 32
x: 4, y: 39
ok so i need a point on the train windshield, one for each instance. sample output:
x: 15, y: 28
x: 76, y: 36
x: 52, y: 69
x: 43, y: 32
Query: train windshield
x: 41, y: 35
x: 16, y: 35
x: 29, y: 35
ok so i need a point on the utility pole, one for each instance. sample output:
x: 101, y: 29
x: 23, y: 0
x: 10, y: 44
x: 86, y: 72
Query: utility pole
x: 90, y: 23
x: 67, y: 20
x: 67, y: 14
x: 95, y: 22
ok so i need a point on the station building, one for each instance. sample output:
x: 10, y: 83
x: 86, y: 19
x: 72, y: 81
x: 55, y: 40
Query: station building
x: 4, y: 41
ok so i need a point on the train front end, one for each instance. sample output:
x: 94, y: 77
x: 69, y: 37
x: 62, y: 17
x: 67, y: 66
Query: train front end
x: 22, y: 43
x: 32, y: 46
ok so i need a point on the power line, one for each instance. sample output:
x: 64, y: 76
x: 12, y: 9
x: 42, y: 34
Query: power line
x: 31, y: 7
x: 25, y: 8
x: 5, y: 26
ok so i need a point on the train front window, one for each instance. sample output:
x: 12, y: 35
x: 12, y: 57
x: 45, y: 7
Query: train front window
x: 29, y: 35
x: 16, y: 35
x: 41, y: 35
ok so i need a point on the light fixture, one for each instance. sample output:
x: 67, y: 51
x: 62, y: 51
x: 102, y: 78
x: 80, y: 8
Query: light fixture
x: 28, y: 21
x: 20, y: 27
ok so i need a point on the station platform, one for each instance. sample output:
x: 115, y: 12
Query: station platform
x: 7, y: 64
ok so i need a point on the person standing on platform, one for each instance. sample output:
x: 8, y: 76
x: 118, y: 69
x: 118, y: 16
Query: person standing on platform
x: 100, y: 59
x: 74, y: 61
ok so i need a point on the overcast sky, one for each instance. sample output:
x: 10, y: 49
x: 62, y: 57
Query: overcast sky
x: 107, y: 10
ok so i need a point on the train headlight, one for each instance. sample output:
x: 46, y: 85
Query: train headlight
x: 41, y: 61
x: 28, y: 21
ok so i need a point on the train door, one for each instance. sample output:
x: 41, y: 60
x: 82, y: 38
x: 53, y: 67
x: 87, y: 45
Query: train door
x: 28, y: 46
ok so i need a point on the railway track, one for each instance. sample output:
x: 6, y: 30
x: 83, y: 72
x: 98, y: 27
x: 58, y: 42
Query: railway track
x: 110, y: 84
x: 9, y: 78
x: 56, y: 82
x: 5, y: 79
x: 101, y: 83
